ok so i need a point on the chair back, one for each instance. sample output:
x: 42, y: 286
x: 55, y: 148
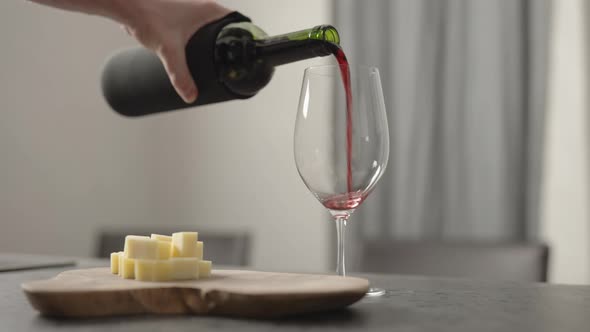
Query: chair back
x: 509, y: 261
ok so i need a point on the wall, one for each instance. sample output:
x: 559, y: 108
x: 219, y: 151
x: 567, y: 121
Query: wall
x: 565, y: 206
x: 70, y: 166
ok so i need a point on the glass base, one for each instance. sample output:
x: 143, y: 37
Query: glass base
x: 373, y: 292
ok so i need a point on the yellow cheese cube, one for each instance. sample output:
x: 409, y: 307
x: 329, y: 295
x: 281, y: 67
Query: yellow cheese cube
x: 184, y: 244
x: 127, y: 269
x: 200, y: 249
x: 185, y: 268
x: 144, y: 269
x: 164, y: 248
x: 162, y: 271
x: 161, y: 258
x: 121, y: 256
x: 205, y: 269
x: 115, y: 263
x: 161, y: 237
x: 153, y: 270
x: 140, y: 247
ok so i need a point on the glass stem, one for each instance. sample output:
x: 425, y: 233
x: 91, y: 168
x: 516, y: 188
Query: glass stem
x: 340, y: 228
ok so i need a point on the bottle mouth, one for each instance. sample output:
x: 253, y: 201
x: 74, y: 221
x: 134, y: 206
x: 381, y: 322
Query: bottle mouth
x: 325, y: 33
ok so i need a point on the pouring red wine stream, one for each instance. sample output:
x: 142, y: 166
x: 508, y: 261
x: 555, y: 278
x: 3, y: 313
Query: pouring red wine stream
x: 350, y: 200
x: 345, y: 71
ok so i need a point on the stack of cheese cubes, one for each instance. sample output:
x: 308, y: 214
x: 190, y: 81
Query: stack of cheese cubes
x: 161, y: 258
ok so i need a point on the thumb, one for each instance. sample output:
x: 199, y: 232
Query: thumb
x: 174, y: 60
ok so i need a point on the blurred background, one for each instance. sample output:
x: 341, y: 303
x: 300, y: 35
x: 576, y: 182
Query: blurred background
x: 487, y: 105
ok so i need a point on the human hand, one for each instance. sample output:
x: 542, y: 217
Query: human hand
x: 165, y: 26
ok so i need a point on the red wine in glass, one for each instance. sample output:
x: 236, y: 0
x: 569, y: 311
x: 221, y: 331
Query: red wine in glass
x: 343, y: 202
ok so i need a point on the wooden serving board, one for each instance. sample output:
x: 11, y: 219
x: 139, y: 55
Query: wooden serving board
x: 97, y: 292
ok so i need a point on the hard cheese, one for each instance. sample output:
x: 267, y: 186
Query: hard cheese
x: 153, y: 270
x: 184, y: 244
x: 127, y: 267
x: 205, y: 269
x: 160, y: 237
x: 199, y: 249
x: 140, y: 247
x: 115, y: 263
x: 185, y: 268
x: 164, y: 249
x: 161, y: 258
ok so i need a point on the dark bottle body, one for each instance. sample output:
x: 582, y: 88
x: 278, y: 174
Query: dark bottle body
x: 228, y: 59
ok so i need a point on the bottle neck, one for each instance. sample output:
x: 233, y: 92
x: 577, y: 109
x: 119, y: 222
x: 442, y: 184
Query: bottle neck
x: 300, y: 45
x: 245, y: 57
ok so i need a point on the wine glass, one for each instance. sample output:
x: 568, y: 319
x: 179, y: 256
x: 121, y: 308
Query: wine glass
x: 341, y: 140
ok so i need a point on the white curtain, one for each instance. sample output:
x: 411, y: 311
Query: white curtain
x: 464, y: 83
x: 565, y: 212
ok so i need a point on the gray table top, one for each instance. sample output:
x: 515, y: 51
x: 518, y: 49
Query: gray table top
x: 411, y: 304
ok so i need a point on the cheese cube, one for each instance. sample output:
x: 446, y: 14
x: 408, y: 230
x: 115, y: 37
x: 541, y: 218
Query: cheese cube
x: 153, y: 270
x: 184, y: 268
x: 161, y: 237
x: 204, y: 269
x: 199, y: 249
x: 120, y: 259
x: 184, y: 244
x: 127, y: 268
x: 164, y: 248
x: 161, y: 258
x: 162, y: 271
x: 144, y: 269
x: 140, y: 247
x: 115, y: 263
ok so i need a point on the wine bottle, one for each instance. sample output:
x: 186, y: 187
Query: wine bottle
x: 229, y: 59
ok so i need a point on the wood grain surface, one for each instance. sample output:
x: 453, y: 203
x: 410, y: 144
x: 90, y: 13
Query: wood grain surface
x: 96, y: 292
